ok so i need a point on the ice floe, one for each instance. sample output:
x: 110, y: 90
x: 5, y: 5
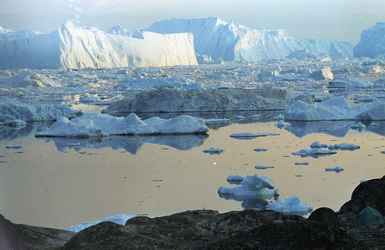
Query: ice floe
x: 250, y: 136
x: 97, y: 125
x: 213, y: 151
x: 336, y: 169
x: 14, y: 112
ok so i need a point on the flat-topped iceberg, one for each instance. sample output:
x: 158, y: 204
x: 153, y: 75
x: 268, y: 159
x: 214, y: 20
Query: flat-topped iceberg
x: 97, y: 125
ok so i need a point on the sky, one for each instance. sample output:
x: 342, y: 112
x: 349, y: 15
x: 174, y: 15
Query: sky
x: 319, y: 19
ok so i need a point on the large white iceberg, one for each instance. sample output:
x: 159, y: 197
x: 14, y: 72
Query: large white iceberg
x: 74, y: 47
x: 97, y: 125
x: 217, y: 40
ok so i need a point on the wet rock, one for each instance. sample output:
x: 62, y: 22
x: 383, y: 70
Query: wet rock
x: 370, y: 216
x: 209, y: 230
x: 325, y: 216
x: 368, y: 194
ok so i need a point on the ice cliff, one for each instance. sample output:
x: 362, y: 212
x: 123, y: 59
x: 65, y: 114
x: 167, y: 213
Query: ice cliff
x: 217, y: 40
x: 75, y: 47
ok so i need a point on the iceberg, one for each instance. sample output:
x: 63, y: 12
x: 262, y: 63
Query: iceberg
x: 290, y: 205
x: 217, y: 40
x: 75, y: 47
x: 258, y: 192
x: 13, y: 111
x: 372, y: 42
x: 99, y: 125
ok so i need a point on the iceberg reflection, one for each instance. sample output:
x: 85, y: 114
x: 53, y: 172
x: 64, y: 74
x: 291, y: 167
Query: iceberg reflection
x: 129, y: 144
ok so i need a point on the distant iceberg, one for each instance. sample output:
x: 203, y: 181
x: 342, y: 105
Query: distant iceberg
x: 217, y: 40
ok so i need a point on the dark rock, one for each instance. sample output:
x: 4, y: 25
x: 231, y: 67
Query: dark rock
x: 368, y: 194
x: 324, y: 216
x: 22, y: 237
x: 370, y: 216
x: 248, y: 229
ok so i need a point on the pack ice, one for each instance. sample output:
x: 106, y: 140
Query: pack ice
x: 75, y: 47
x: 217, y: 40
x: 13, y: 111
x: 96, y: 125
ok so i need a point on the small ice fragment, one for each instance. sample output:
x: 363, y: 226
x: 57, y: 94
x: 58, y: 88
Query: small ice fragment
x: 259, y: 167
x: 301, y: 163
x: 213, y: 151
x: 234, y: 179
x: 336, y: 169
x: 13, y: 147
x: 344, y: 146
x: 317, y: 144
x: 249, y: 136
x: 260, y: 150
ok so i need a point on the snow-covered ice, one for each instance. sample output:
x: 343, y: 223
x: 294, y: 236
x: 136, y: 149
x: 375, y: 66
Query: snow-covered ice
x: 290, y: 205
x: 120, y: 219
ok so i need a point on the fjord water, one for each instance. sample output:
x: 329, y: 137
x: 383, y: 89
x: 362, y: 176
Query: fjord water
x: 62, y: 182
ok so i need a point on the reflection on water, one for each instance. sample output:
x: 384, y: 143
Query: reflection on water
x: 337, y: 129
x: 44, y: 186
x: 131, y: 144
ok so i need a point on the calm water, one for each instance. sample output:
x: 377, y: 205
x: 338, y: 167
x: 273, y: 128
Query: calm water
x: 58, y: 183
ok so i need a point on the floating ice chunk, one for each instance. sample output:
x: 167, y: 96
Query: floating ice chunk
x: 260, y: 150
x: 257, y: 182
x: 250, y: 136
x: 213, y: 151
x: 241, y: 193
x: 314, y: 152
x: 344, y: 146
x: 358, y: 126
x: 317, y: 144
x: 260, y: 167
x: 120, y: 219
x: 282, y: 124
x: 290, y: 205
x: 96, y: 125
x: 336, y: 169
x: 217, y: 122
x: 234, y: 179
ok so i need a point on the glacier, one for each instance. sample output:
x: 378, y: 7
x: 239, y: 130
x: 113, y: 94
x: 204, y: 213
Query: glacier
x: 217, y: 40
x: 76, y: 47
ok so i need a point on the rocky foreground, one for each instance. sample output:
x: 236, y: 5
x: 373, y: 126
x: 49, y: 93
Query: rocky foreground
x: 358, y: 225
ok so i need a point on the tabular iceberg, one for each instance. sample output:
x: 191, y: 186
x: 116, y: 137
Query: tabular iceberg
x: 217, y: 40
x: 75, y: 47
